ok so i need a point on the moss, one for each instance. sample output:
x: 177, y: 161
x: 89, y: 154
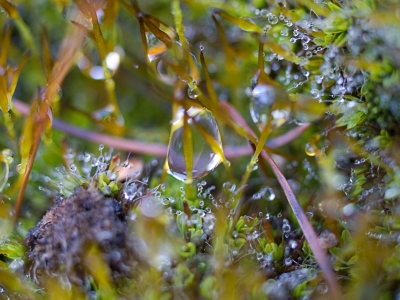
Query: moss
x: 122, y: 72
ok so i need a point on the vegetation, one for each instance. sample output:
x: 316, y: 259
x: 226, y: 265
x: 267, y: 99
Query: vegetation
x: 192, y: 149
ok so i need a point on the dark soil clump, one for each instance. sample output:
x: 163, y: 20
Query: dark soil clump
x: 59, y: 242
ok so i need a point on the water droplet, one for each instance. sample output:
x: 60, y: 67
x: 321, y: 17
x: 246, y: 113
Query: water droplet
x: 113, y: 60
x: 315, y: 93
x: 285, y: 31
x: 268, y: 102
x: 20, y: 169
x: 165, y: 71
x: 272, y: 18
x: 263, y: 12
x: 310, y: 150
x: 293, y: 244
x: 319, y: 78
x: 192, y: 94
x: 86, y: 157
x: 201, y: 124
x: 72, y: 168
x: 270, y: 195
x: 165, y: 201
x: 285, y: 227
x: 155, y: 46
x: 288, y: 261
x: 8, y: 155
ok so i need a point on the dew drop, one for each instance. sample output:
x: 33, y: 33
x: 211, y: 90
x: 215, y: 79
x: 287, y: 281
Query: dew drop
x: 285, y: 31
x: 319, y: 78
x: 155, y: 46
x: 272, y: 18
x: 310, y: 150
x: 202, y: 125
x: 113, y: 60
x: 270, y: 195
x: 192, y: 94
x: 260, y: 256
x: 165, y: 72
x: 293, y: 244
x: 268, y: 102
x: 288, y: 261
x: 20, y: 169
x: 72, y: 168
x: 165, y: 201
x: 315, y: 93
x: 285, y: 227
x: 263, y: 12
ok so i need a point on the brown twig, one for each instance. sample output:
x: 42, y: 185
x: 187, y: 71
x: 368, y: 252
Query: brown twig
x: 72, y: 42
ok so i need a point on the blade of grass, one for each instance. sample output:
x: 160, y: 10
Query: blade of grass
x: 188, y: 148
x: 239, y: 22
x: 210, y: 89
x: 88, y: 9
x: 46, y: 55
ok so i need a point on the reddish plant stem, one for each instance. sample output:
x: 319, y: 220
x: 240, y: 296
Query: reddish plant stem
x: 154, y: 149
x: 287, y: 137
x: 308, y: 231
x: 305, y: 225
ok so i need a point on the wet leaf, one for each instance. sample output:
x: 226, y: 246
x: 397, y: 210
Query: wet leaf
x: 240, y: 22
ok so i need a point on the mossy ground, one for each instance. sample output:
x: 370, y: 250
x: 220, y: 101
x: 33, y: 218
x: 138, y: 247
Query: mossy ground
x: 122, y: 228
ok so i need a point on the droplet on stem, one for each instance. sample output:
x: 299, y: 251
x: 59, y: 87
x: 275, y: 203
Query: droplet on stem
x: 309, y: 149
x: 202, y: 126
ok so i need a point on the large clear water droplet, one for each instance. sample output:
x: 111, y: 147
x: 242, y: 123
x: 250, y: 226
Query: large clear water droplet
x: 154, y: 46
x: 165, y: 70
x: 204, y: 159
x: 269, y: 102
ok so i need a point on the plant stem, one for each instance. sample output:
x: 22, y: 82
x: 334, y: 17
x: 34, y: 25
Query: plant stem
x: 305, y: 225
